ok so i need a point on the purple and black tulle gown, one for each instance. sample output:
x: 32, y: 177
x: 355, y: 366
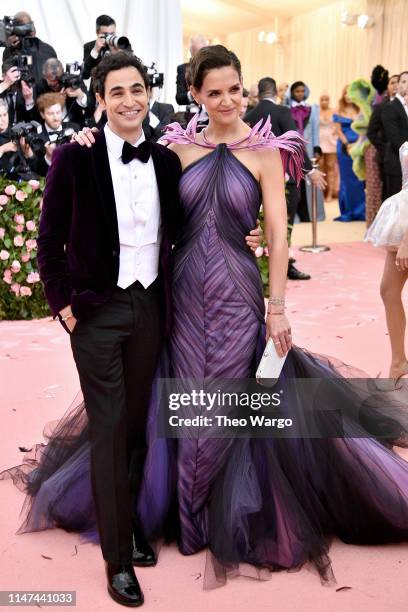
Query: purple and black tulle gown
x: 258, y: 504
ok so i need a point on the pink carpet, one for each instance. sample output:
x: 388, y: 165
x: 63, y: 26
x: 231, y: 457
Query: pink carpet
x: 338, y: 313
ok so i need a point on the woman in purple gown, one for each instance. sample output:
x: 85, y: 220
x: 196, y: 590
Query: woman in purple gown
x: 266, y: 504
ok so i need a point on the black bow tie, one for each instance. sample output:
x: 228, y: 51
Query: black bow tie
x: 54, y: 133
x: 141, y: 152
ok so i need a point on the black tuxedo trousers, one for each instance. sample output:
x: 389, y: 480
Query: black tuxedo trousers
x: 116, y: 351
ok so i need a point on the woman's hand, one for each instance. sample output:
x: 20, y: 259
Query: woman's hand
x: 401, y: 259
x: 85, y: 137
x: 278, y: 328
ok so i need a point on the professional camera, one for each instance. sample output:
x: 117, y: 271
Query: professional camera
x: 156, y: 79
x: 10, y: 27
x: 32, y: 134
x: 64, y: 136
x: 72, y: 76
x: 23, y: 63
x: 118, y: 42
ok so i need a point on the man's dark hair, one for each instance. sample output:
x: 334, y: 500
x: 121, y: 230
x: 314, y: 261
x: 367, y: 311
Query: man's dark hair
x: 245, y: 93
x: 10, y: 62
x: 116, y: 61
x: 401, y: 74
x: 104, y: 20
x: 267, y: 87
x: 208, y: 58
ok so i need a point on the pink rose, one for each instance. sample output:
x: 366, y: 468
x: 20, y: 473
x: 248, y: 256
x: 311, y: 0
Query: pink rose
x: 21, y: 195
x: 31, y: 244
x: 19, y: 219
x: 15, y: 287
x: 31, y: 226
x: 19, y: 228
x: 34, y: 184
x: 10, y: 190
x: 16, y: 266
x: 2, y: 232
x: 7, y: 279
x: 18, y: 241
x: 33, y: 277
x: 25, y: 258
x: 4, y: 255
x: 3, y: 200
x: 25, y: 291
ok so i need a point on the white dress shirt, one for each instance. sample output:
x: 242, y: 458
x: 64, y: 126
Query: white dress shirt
x: 402, y: 100
x: 138, y: 212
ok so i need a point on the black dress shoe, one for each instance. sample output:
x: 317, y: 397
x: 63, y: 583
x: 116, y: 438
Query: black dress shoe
x: 143, y: 554
x: 123, y: 585
x: 295, y: 274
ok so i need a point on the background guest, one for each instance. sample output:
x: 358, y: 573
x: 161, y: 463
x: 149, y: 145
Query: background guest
x: 245, y: 102
x: 351, y: 193
x: 159, y: 116
x: 306, y: 118
x: 328, y: 141
x: 253, y: 96
x: 282, y: 93
x: 375, y: 130
x: 282, y: 121
x: 183, y: 95
x: 374, y: 174
x: 395, y: 124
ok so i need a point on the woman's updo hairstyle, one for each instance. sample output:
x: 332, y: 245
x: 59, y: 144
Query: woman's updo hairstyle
x: 208, y: 58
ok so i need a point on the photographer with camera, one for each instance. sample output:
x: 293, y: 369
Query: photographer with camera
x: 7, y: 146
x: 54, y: 131
x: 18, y: 147
x: 95, y: 49
x: 17, y: 91
x: 107, y: 42
x: 69, y: 85
x: 25, y: 43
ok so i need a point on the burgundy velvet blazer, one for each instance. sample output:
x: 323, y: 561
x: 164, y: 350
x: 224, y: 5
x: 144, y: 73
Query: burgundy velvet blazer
x: 78, y: 243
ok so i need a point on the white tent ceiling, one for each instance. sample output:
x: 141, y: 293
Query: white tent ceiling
x: 218, y: 17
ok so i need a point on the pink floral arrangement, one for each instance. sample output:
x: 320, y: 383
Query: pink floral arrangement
x: 21, y: 293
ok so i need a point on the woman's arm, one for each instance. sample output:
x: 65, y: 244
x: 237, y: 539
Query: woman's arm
x: 339, y: 133
x: 276, y: 220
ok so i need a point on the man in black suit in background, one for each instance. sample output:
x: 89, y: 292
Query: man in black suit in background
x: 375, y: 130
x: 282, y: 121
x: 160, y: 115
x: 395, y: 122
x: 183, y: 95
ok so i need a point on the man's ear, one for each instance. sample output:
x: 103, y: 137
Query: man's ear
x: 100, y: 101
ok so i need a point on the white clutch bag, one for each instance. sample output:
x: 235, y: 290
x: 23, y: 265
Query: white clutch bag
x: 270, y: 366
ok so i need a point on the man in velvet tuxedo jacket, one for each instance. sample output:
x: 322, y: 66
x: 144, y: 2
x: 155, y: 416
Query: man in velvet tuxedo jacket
x: 395, y: 123
x: 110, y: 214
